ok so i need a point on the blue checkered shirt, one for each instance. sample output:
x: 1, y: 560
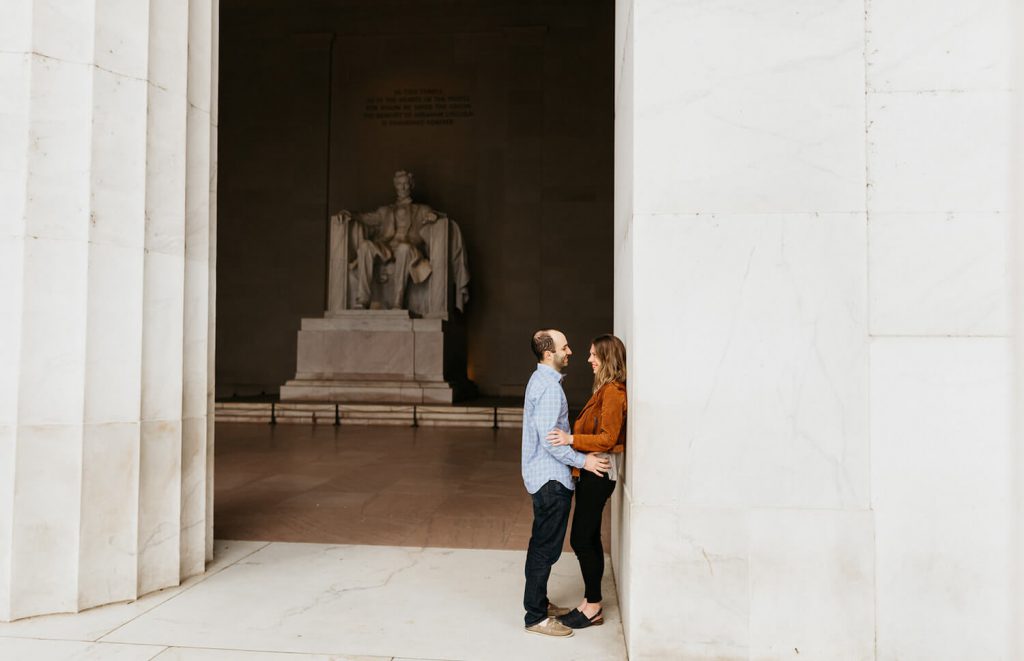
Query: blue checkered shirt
x: 544, y: 409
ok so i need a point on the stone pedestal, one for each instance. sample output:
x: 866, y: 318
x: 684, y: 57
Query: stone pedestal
x: 376, y: 356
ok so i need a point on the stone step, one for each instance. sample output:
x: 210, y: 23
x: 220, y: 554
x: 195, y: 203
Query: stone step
x: 506, y: 417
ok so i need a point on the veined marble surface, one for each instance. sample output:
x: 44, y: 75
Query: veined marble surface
x: 264, y: 601
x: 934, y: 274
x: 812, y: 205
x: 747, y: 107
x: 766, y: 386
x: 941, y: 434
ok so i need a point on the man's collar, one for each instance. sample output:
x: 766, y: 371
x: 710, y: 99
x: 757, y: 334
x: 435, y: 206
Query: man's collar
x: 550, y: 371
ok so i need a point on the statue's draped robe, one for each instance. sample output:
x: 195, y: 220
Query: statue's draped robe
x: 395, y: 233
x: 457, y: 265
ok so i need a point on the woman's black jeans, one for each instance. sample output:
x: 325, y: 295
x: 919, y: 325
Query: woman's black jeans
x: 591, y: 494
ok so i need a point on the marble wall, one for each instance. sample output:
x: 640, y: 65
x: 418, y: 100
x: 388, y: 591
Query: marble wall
x: 106, y: 226
x: 811, y: 274
x: 528, y: 177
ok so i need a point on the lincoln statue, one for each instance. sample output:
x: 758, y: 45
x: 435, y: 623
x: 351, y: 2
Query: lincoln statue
x: 393, y: 329
x: 392, y: 241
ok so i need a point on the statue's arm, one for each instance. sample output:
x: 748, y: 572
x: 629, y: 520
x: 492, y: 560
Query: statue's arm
x: 431, y: 216
x: 370, y: 218
x: 429, y: 231
x: 429, y: 226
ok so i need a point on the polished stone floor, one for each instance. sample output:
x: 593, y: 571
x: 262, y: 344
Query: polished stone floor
x: 396, y: 486
x: 280, y: 601
x: 352, y: 543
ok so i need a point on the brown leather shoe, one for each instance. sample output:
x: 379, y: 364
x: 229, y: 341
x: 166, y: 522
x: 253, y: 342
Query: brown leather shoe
x: 549, y: 626
x: 557, y: 611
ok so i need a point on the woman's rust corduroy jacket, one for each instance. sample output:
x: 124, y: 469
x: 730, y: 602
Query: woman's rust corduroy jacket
x: 601, y: 425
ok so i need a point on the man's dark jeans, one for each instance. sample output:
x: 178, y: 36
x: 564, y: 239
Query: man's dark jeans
x: 551, y: 506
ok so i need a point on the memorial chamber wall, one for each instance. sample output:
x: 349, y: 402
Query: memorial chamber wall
x: 503, y: 112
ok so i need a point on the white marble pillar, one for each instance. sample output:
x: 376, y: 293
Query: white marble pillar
x: 105, y: 356
x: 1016, y: 522
x: 939, y: 136
x: 198, y: 276
x: 811, y: 279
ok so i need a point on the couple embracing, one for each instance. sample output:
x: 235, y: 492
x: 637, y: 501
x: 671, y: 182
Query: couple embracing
x: 556, y: 463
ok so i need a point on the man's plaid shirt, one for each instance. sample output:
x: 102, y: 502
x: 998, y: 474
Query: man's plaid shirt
x: 544, y: 409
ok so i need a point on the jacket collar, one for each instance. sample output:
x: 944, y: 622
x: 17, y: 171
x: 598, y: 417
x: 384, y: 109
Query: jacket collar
x: 593, y: 398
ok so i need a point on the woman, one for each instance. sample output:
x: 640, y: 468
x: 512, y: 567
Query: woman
x: 601, y: 428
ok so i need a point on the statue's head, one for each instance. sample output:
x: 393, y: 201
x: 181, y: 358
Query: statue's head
x: 404, y: 183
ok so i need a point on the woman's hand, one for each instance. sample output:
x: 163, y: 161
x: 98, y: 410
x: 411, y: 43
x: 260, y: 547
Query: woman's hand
x: 559, y: 437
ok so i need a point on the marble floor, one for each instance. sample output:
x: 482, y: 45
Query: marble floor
x: 278, y: 601
x: 387, y: 543
x: 395, y: 486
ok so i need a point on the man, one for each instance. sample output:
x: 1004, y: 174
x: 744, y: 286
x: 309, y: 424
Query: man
x: 548, y: 478
x: 392, y: 234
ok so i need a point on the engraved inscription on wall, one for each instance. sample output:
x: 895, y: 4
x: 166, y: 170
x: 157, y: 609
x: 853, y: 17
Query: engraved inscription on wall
x: 422, y: 106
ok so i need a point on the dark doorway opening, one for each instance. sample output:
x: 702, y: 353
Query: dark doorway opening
x: 509, y: 131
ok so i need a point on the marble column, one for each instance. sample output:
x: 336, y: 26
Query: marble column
x: 811, y: 213
x: 106, y: 225
x: 939, y: 129
x: 1016, y: 523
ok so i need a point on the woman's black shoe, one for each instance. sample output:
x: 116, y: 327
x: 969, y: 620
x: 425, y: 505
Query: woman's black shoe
x: 575, y: 619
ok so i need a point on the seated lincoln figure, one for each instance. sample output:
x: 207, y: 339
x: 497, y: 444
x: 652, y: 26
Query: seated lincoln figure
x: 389, y: 251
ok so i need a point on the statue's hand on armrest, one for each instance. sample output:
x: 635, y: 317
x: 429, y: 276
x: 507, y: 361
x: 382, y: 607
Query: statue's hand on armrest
x: 432, y: 217
x: 343, y: 215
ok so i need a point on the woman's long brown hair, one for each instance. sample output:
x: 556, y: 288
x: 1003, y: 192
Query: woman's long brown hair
x: 612, y: 353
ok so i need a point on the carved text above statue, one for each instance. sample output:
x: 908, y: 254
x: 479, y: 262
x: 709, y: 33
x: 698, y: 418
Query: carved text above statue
x: 426, y: 106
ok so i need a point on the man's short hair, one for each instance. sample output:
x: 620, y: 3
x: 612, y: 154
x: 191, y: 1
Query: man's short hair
x: 541, y: 342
